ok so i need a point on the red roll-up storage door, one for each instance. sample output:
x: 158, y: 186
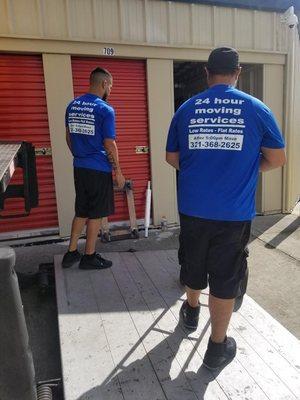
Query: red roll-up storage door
x: 23, y: 117
x: 129, y: 99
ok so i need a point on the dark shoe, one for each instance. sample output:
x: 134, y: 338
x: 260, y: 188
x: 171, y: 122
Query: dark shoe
x: 94, y: 261
x: 218, y: 355
x: 70, y: 258
x: 189, y: 316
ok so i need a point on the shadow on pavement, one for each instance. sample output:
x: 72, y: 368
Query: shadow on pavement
x: 134, y: 379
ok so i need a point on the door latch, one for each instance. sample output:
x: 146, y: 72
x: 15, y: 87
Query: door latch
x: 141, y: 149
x: 43, y: 151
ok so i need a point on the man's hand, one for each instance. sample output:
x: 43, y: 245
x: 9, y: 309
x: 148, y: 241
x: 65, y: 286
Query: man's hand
x: 120, y: 180
x: 68, y: 139
x: 173, y: 159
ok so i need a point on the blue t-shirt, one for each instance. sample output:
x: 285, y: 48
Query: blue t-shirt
x: 219, y: 134
x: 90, y: 120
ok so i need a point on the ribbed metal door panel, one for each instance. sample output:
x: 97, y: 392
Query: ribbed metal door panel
x: 23, y: 116
x: 129, y: 99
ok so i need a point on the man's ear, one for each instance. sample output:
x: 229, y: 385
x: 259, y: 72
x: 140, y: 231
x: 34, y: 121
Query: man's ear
x: 238, y: 73
x: 207, y: 74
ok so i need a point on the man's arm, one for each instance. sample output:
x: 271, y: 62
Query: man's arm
x: 172, y: 158
x: 271, y: 159
x: 68, y: 139
x: 113, y: 155
x: 272, y: 144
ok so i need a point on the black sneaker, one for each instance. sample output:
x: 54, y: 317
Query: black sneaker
x: 218, y: 355
x: 189, y: 316
x: 94, y: 261
x: 70, y: 258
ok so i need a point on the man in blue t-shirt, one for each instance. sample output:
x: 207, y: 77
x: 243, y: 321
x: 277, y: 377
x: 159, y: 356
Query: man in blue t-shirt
x: 218, y: 141
x: 90, y: 135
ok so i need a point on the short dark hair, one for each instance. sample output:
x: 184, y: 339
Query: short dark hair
x: 223, y: 61
x: 98, y: 74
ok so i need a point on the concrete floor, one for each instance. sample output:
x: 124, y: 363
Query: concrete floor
x: 274, y: 280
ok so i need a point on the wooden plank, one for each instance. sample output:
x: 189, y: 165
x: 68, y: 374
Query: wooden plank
x: 279, y: 364
x: 257, y: 364
x: 276, y: 349
x: 187, y: 357
x: 167, y: 350
x: 131, y: 208
x: 284, y: 342
x: 132, y: 366
x: 159, y: 352
x: 234, y: 380
x: 86, y: 361
x: 284, y: 381
x: 287, y: 375
x: 120, y: 338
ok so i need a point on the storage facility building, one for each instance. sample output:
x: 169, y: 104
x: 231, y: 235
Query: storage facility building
x: 156, y: 51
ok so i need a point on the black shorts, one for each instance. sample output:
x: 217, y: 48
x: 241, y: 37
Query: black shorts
x: 213, y: 252
x: 94, y: 193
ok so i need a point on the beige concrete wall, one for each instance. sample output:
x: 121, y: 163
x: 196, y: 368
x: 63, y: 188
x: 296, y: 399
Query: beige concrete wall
x: 272, y: 188
x: 96, y: 48
x: 59, y: 92
x: 294, y: 186
x: 161, y: 109
x: 143, y: 22
x: 292, y: 124
x: 159, y: 31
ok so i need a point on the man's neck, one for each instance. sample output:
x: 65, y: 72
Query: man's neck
x: 221, y: 81
x: 95, y: 92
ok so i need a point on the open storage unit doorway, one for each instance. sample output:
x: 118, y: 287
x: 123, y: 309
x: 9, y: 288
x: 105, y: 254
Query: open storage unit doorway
x: 190, y: 79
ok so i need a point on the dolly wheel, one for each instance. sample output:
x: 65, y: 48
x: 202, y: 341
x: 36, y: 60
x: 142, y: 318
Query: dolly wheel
x: 105, y: 237
x: 135, y: 234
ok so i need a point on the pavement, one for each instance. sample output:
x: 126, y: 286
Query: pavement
x: 274, y: 280
x: 274, y: 264
x: 280, y: 231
